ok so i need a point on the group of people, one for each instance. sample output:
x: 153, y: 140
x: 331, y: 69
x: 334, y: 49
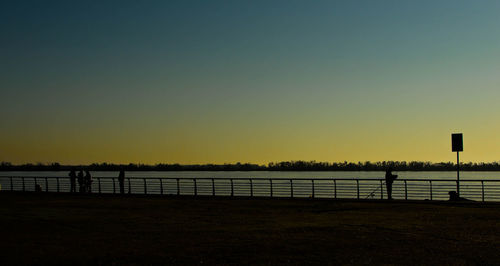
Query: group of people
x: 85, y: 181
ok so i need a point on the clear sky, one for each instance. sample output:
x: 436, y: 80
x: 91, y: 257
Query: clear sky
x: 248, y: 81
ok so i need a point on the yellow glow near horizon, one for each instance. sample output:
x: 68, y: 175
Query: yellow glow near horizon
x: 241, y: 143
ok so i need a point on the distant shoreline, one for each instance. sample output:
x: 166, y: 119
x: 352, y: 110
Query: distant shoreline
x: 288, y: 166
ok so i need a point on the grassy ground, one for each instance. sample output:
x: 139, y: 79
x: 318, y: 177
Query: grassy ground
x: 90, y: 229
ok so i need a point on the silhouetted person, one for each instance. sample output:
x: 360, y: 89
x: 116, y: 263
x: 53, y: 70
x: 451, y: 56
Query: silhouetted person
x: 72, y: 180
x: 88, y: 181
x: 81, y: 182
x: 389, y: 179
x: 121, y: 180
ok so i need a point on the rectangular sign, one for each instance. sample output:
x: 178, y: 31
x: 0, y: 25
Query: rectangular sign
x: 457, y: 142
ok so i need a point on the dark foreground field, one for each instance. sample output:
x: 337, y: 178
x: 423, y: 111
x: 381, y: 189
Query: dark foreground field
x: 73, y: 229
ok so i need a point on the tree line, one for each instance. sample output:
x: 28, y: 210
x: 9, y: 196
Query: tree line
x: 272, y: 166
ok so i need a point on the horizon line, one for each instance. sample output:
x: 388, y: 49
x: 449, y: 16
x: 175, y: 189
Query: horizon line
x: 243, y: 163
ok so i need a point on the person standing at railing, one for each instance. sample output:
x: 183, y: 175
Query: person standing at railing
x: 81, y: 182
x: 88, y: 181
x: 121, y: 180
x: 389, y: 179
x: 72, y: 180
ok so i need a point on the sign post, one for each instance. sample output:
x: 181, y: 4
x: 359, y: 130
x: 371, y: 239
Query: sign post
x: 458, y: 146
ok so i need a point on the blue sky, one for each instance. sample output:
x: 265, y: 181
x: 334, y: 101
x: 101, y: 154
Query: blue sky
x: 257, y: 81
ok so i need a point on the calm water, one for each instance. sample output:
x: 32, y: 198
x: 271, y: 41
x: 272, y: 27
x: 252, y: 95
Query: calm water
x: 272, y: 174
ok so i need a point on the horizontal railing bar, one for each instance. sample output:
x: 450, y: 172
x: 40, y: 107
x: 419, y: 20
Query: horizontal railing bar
x: 284, y: 179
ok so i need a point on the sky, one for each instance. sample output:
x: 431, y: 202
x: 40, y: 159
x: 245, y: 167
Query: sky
x: 248, y: 81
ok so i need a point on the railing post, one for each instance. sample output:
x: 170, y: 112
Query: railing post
x: 335, y: 188
x: 313, y: 190
x: 11, y: 184
x: 195, y: 187
x: 178, y: 187
x: 357, y: 187
x: 430, y: 187
x: 232, y: 188
x: 99, y: 184
x: 46, y: 184
x: 291, y: 188
x: 406, y: 191
x: 213, y: 187
x: 114, y: 187
x: 57, y: 180
x: 129, y: 186
x: 271, y: 186
x: 251, y: 188
x: 482, y: 190
x: 381, y: 189
x: 161, y: 186
x: 35, y: 182
x: 24, y: 187
x: 145, y: 186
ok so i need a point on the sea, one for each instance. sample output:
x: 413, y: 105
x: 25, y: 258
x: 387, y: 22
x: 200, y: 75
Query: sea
x: 475, y: 175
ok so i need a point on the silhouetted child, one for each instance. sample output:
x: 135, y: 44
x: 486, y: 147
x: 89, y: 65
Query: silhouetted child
x: 389, y: 179
x: 81, y: 182
x: 88, y: 181
x: 121, y: 180
x: 72, y: 180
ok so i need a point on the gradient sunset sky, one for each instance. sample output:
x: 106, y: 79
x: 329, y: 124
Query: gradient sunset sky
x: 248, y: 81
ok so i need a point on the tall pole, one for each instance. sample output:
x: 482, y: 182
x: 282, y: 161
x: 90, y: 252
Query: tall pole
x: 458, y: 174
x: 457, y: 144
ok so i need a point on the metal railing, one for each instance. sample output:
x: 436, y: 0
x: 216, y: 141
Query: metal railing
x: 408, y: 189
